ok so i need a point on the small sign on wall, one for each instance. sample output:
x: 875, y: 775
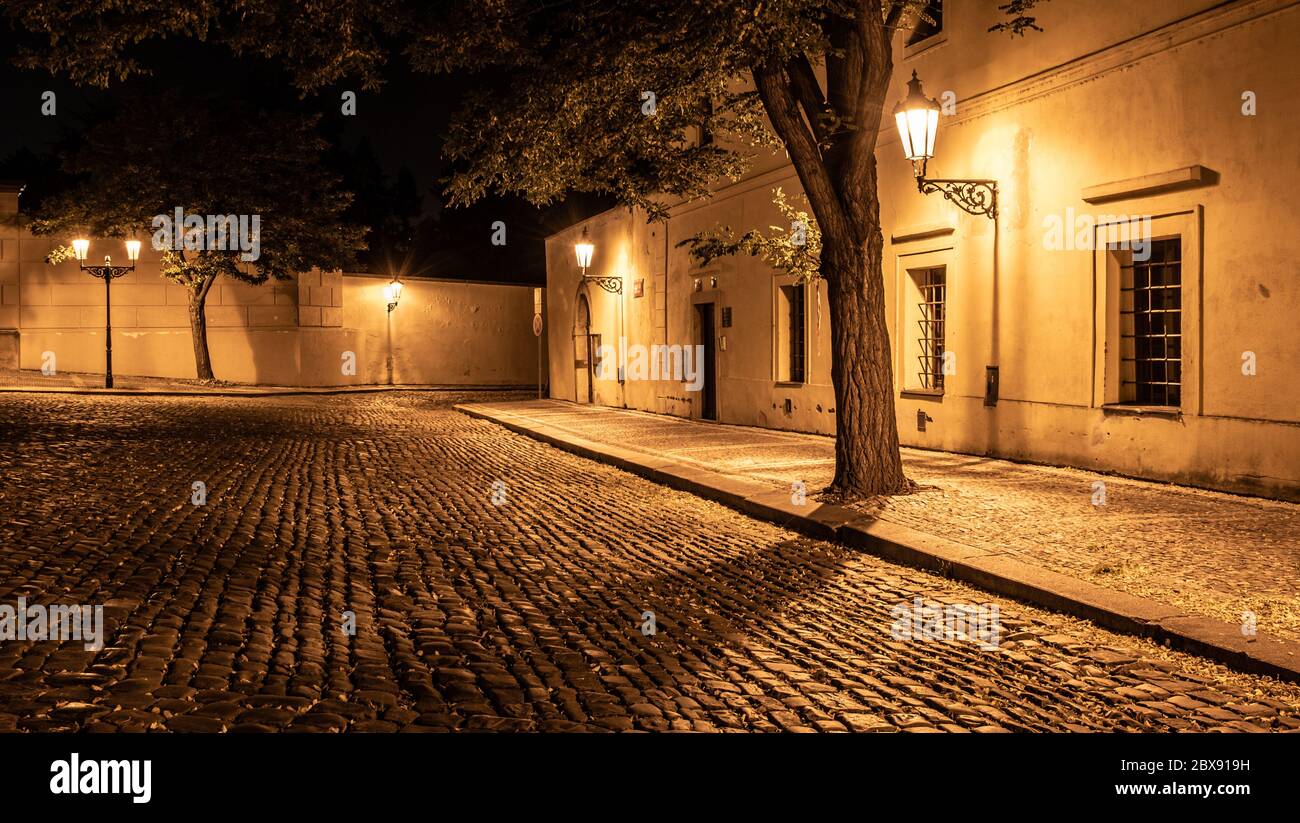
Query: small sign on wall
x: 638, y: 287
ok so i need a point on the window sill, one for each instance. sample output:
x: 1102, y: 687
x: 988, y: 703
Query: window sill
x: 789, y: 384
x: 1155, y: 411
x: 928, y: 394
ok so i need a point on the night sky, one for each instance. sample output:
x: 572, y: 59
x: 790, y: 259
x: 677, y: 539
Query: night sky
x: 401, y: 125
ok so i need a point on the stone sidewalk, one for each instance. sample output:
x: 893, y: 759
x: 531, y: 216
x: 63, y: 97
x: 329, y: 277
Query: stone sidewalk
x: 1208, y: 554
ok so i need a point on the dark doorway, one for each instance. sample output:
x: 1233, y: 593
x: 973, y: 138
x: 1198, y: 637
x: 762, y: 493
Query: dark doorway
x: 709, y: 400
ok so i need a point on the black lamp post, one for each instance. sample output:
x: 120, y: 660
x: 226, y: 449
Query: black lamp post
x: 108, y: 273
x: 917, y: 118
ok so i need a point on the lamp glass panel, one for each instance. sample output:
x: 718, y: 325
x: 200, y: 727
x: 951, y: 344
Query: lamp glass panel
x: 904, y: 136
x: 918, y: 122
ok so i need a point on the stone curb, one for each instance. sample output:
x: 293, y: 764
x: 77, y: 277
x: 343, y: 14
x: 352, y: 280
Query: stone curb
x: 285, y: 391
x: 992, y: 571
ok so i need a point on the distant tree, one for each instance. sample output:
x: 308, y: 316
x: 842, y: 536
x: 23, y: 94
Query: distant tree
x: 562, y: 105
x: 158, y: 154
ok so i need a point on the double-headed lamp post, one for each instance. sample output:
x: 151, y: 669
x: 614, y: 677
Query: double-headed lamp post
x: 108, y: 273
x: 917, y: 118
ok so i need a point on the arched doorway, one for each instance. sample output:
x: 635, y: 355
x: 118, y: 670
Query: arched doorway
x: 582, y: 350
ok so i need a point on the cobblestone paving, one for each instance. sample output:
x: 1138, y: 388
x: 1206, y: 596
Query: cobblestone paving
x: 477, y: 616
x: 1212, y: 554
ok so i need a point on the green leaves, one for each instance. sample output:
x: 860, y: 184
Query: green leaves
x: 795, y: 249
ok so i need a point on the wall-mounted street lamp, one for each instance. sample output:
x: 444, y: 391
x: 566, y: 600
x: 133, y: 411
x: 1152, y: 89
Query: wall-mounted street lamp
x: 393, y: 293
x: 584, y: 249
x: 917, y: 118
x: 108, y: 273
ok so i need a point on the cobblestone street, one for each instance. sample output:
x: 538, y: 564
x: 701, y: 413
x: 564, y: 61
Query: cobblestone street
x: 497, y: 584
x: 1202, y: 551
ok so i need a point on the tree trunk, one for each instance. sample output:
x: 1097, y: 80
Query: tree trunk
x: 199, y: 328
x: 839, y: 179
x: 867, y: 459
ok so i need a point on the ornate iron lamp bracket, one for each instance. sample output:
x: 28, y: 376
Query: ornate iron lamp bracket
x: 972, y: 196
x: 107, y: 272
x: 613, y: 285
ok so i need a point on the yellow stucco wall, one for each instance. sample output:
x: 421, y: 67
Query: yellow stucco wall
x: 299, y: 332
x: 1110, y: 91
x: 443, y: 332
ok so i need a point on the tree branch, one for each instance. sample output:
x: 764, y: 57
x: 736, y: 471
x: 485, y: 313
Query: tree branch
x: 803, y: 81
x: 782, y: 110
x: 895, y: 12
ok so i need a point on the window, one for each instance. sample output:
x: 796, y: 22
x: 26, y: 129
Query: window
x: 931, y: 290
x: 927, y: 28
x: 1151, y: 326
x: 792, y: 333
x: 1147, y: 319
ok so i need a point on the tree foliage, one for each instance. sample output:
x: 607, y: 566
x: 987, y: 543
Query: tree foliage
x: 794, y: 249
x: 207, y: 160
x: 560, y: 105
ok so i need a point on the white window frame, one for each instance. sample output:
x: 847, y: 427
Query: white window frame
x: 1188, y: 226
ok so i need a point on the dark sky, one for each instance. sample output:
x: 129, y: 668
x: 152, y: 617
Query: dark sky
x: 403, y: 124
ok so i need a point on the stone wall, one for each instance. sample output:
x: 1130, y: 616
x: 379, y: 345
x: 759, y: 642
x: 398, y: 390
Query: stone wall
x: 317, y: 329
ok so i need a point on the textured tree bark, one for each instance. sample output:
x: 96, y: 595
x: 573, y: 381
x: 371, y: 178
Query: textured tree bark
x: 199, y: 328
x: 837, y: 167
x: 867, y: 459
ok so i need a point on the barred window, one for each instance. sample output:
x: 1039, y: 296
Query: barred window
x: 931, y: 284
x: 1151, y: 326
